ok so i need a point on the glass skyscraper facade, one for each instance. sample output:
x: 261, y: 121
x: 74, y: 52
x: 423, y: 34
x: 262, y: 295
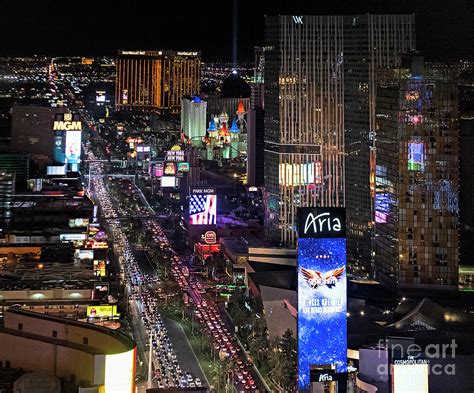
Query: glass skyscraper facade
x: 371, y: 43
x: 156, y: 80
x: 320, y: 118
x: 417, y: 178
x: 304, y: 119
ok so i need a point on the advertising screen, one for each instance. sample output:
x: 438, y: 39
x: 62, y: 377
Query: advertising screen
x: 168, y: 181
x: 64, y: 237
x: 58, y: 153
x: 416, y: 156
x: 100, y: 268
x: 202, y: 209
x: 101, y: 311
x: 78, y: 222
x: 170, y: 168
x: 120, y: 372
x: 322, y: 304
x: 73, y: 147
x: 158, y: 170
x: 56, y: 170
x: 143, y: 149
x: 100, y: 96
x: 85, y: 254
x: 175, y: 154
x: 411, y: 378
x: 183, y: 167
x: 382, y: 207
x: 300, y: 174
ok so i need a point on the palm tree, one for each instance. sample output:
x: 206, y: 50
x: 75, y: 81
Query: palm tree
x: 280, y: 368
x: 217, y: 374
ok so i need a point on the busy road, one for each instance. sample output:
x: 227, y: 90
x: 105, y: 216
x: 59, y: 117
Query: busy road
x: 141, y: 289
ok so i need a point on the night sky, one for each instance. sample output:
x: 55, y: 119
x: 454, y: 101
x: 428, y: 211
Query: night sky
x: 444, y: 27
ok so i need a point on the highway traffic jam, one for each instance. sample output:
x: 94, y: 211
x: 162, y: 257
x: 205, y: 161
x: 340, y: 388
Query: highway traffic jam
x: 167, y: 371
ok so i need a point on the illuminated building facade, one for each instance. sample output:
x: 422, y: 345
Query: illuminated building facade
x: 193, y: 118
x: 417, y: 178
x: 304, y: 119
x: 156, y: 80
x: 319, y: 108
x: 371, y: 42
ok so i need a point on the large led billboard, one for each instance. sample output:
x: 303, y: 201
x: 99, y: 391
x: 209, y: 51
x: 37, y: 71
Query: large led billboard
x: 73, y: 147
x: 322, y: 292
x: 300, y: 174
x: 168, y: 181
x: 203, y: 206
x: 120, y: 372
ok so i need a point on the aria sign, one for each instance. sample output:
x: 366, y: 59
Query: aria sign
x: 321, y: 222
x: 329, y: 376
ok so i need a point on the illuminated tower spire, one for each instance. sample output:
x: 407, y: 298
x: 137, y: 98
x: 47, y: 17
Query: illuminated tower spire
x: 234, y: 34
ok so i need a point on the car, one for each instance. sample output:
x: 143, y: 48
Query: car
x: 198, y: 382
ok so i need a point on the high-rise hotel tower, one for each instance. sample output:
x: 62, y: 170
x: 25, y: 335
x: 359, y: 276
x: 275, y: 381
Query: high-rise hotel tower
x: 155, y: 80
x: 320, y: 118
x: 417, y: 177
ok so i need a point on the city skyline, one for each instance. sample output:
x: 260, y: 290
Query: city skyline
x: 256, y: 197
x: 102, y: 28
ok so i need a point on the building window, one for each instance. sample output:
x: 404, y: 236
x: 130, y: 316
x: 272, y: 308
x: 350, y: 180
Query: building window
x: 20, y: 326
x: 85, y: 341
x: 7, y: 364
x: 55, y: 334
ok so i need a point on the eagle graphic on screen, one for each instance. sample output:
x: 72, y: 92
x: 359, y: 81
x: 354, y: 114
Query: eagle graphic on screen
x: 317, y: 279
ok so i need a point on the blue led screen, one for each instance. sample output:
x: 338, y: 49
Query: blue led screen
x: 322, y: 306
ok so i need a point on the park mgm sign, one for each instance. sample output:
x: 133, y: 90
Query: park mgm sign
x: 67, y: 122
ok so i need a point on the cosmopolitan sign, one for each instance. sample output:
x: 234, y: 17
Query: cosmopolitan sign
x: 322, y: 298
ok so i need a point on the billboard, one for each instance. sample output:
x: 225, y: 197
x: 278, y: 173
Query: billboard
x: 78, y: 222
x: 322, y: 298
x: 100, y: 267
x: 168, y: 181
x: 66, y: 237
x: 203, y: 206
x: 56, y: 169
x: 100, y: 96
x: 183, y: 167
x: 84, y: 254
x: 73, y: 147
x: 59, y: 148
x: 383, y: 201
x: 416, y: 156
x: 101, y: 311
x: 410, y: 377
x: 158, y: 170
x: 170, y: 168
x: 120, y: 372
x: 175, y: 154
x: 300, y: 174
